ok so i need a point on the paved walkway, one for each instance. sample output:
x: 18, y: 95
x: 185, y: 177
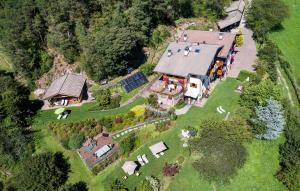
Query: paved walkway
x: 246, y: 55
x: 183, y: 110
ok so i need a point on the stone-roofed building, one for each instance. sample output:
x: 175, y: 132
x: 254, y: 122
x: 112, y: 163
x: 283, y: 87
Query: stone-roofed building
x: 70, y: 87
x: 234, y: 15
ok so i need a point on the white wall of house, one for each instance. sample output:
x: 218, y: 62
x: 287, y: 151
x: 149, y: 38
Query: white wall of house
x: 194, y: 88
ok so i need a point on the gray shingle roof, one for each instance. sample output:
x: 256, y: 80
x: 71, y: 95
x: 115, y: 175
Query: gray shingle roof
x: 235, y: 13
x: 69, y: 85
x: 194, y: 63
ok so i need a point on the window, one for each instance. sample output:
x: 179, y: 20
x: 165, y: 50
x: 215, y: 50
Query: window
x: 193, y: 85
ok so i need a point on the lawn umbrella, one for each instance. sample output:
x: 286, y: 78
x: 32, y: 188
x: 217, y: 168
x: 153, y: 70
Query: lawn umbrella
x: 59, y: 111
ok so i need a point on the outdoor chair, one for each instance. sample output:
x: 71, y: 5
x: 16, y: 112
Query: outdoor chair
x: 161, y: 153
x: 156, y: 155
x: 145, y: 159
x: 140, y: 160
x: 65, y: 115
x: 59, y: 116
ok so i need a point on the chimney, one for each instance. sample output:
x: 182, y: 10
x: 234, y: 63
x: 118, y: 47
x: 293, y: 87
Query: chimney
x: 220, y: 36
x: 185, y: 37
x: 170, y: 53
x: 186, y: 51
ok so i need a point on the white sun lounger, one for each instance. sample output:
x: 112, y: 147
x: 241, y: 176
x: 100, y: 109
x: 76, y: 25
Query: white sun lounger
x: 140, y: 160
x: 66, y: 102
x: 218, y: 110
x: 156, y: 155
x: 221, y: 109
x: 145, y: 159
x: 59, y: 116
x: 161, y: 153
x: 65, y: 115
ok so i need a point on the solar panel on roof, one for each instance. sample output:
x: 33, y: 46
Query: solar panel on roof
x: 134, y: 81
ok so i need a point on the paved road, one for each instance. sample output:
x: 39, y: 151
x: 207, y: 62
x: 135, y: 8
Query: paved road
x: 246, y: 55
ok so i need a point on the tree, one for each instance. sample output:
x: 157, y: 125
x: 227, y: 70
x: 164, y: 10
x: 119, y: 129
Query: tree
x: 170, y: 169
x: 266, y: 15
x: 127, y: 144
x: 147, y: 69
x: 257, y: 94
x: 103, y: 98
x: 272, y: 117
x: 289, y: 172
x: 46, y: 171
x: 76, y: 141
x: 79, y: 186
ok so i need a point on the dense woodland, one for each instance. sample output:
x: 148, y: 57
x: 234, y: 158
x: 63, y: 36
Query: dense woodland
x: 104, y: 35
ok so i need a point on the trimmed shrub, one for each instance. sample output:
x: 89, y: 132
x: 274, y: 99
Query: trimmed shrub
x: 147, y: 69
x: 170, y: 169
x: 76, y: 141
x: 138, y: 110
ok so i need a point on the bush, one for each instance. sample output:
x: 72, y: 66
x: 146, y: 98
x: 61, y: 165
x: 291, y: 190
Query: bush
x: 144, y: 186
x: 103, y: 98
x: 127, y: 144
x: 147, y: 69
x: 106, y: 162
x: 170, y: 169
x: 152, y: 100
x: 239, y: 39
x: 258, y: 94
x: 76, y: 141
x: 118, y: 120
x: 289, y: 172
x: 138, y: 110
x: 271, y: 119
x: 154, y: 182
x: 64, y: 131
x: 163, y: 126
x: 221, y: 148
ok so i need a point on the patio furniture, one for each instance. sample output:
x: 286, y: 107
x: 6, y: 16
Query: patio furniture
x: 65, y: 115
x: 161, y: 153
x: 221, y: 109
x: 140, y: 160
x: 129, y: 167
x: 158, y: 148
x: 59, y: 116
x: 66, y: 102
x: 145, y: 159
x: 218, y: 110
x: 59, y: 111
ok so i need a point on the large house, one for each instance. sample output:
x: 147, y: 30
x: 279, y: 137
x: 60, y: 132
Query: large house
x: 191, y: 63
x: 234, y: 15
x: 67, y: 89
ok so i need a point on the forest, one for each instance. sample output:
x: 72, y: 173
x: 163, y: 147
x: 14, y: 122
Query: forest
x: 104, y: 35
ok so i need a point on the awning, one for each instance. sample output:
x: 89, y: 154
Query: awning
x: 129, y: 167
x: 158, y: 147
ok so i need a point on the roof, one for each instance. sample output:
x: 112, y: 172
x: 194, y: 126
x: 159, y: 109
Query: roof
x: 129, y: 167
x: 197, y: 36
x: 198, y: 60
x: 69, y: 85
x: 158, y: 147
x: 236, y: 5
x: 232, y: 18
x: 102, y: 151
x: 235, y: 13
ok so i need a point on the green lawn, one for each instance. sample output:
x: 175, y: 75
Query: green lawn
x: 257, y: 174
x: 81, y: 113
x: 288, y: 38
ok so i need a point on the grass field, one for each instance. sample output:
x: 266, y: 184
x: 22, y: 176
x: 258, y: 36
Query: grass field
x: 288, y: 38
x: 5, y: 63
x: 257, y: 174
x: 81, y: 113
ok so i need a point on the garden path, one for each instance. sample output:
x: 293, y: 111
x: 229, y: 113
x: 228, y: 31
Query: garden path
x: 183, y: 110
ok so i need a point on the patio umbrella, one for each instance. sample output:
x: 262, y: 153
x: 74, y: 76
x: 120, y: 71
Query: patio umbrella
x: 59, y: 111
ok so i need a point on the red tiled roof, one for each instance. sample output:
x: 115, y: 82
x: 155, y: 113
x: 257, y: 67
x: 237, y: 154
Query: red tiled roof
x: 207, y: 37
